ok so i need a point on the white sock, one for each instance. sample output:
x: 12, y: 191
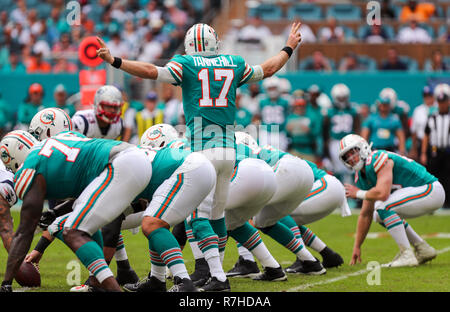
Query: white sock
x: 245, y: 253
x: 304, y: 254
x: 159, y: 271
x: 179, y: 270
x: 264, y: 256
x: 121, y: 255
x: 317, y: 244
x: 398, y: 233
x: 215, y: 266
x: 195, y: 250
x: 413, y: 237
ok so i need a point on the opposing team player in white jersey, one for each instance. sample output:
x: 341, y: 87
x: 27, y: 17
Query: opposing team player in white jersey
x: 209, y: 81
x: 103, y: 121
x: 392, y: 188
x: 8, y: 198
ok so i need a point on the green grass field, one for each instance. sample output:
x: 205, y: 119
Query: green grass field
x: 335, y: 231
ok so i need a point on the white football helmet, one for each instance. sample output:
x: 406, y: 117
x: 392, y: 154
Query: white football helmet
x: 285, y: 85
x: 49, y: 122
x: 272, y: 87
x: 201, y: 39
x: 340, y: 94
x: 108, y: 96
x: 353, y: 141
x: 159, y: 135
x: 441, y: 88
x: 15, y: 147
x: 390, y: 94
x: 246, y: 139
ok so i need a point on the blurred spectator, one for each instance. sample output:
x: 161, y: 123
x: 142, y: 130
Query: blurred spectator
x: 419, y: 121
x: 255, y: 32
x: 251, y: 99
x: 21, y: 34
x: 393, y: 62
x: 62, y: 65
x: 56, y: 25
x: 33, y: 23
x: 119, y: 12
x: 131, y: 39
x: 436, y: 63
x: 64, y: 44
x: 171, y: 105
x: 273, y: 111
x: 151, y: 49
x: 382, y: 128
x: 375, y: 34
x: 243, y: 115
x: 31, y: 105
x: 319, y: 62
x: 445, y: 37
x: 419, y: 11
x: 303, y: 129
x: 175, y: 15
x: 413, y: 34
x: 117, y: 46
x: 306, y: 32
x: 154, y: 10
x: 14, y: 65
x: 332, y: 32
x: 350, y: 63
x: 136, y: 122
x: 60, y: 100
x: 19, y: 14
x: 386, y: 10
x: 38, y: 65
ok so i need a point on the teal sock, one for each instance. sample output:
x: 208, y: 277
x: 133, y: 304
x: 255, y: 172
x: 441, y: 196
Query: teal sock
x: 166, y: 246
x: 308, y: 236
x: 283, y: 235
x: 292, y: 225
x: 98, y: 238
x: 91, y: 255
x: 220, y: 229
x: 204, y: 234
x: 247, y: 236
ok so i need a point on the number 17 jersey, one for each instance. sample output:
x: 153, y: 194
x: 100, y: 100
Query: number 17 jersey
x: 209, y: 91
x: 68, y: 162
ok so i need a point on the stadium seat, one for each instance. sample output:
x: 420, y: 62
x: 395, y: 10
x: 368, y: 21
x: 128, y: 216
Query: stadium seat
x: 349, y: 33
x: 427, y: 27
x: 44, y: 10
x: 344, y: 12
x: 267, y: 12
x: 427, y: 65
x: 362, y: 30
x: 410, y: 63
x: 308, y: 60
x: 442, y: 30
x: 305, y: 11
x: 369, y: 63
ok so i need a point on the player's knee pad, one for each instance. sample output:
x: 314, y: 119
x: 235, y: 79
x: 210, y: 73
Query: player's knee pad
x: 179, y: 232
x: 201, y: 228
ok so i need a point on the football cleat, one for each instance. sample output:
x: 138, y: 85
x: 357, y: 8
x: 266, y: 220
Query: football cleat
x: 80, y: 288
x: 310, y: 267
x: 214, y: 285
x: 424, y: 252
x: 201, y: 272
x: 244, y: 268
x: 271, y: 275
x: 128, y: 276
x: 330, y: 258
x: 182, y: 285
x: 294, y: 267
x: 151, y: 284
x: 404, y: 258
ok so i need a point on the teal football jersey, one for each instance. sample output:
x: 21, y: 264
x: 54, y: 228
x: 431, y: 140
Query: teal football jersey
x: 406, y: 172
x: 274, y: 113
x: 318, y: 173
x: 267, y: 153
x: 68, y: 162
x: 209, y: 91
x: 382, y: 130
x: 164, y: 163
x: 341, y: 122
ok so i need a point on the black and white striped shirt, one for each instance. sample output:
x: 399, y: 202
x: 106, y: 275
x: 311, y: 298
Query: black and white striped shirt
x: 438, y: 129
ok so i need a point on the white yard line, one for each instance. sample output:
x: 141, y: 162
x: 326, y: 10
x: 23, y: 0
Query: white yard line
x: 344, y: 276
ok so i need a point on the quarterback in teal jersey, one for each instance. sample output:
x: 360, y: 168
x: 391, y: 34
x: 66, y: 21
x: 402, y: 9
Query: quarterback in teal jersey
x: 392, y: 188
x: 72, y: 166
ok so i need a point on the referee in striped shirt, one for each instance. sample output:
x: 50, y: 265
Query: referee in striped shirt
x: 435, y: 152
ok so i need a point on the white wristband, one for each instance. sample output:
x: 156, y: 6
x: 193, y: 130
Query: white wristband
x: 361, y: 194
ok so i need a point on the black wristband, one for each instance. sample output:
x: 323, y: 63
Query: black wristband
x: 42, y: 244
x: 117, y: 62
x: 288, y: 50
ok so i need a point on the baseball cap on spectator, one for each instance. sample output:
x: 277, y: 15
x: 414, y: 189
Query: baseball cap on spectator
x: 152, y: 96
x: 427, y: 91
x: 35, y: 88
x: 59, y: 88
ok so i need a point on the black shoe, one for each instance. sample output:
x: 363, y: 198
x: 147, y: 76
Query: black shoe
x: 330, y: 258
x: 127, y: 276
x: 151, y: 284
x: 295, y: 267
x: 215, y: 285
x: 244, y: 268
x: 182, y: 285
x: 312, y: 268
x: 201, y: 272
x: 271, y: 275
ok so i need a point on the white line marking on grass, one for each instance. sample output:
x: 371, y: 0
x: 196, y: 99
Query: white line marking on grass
x: 342, y: 277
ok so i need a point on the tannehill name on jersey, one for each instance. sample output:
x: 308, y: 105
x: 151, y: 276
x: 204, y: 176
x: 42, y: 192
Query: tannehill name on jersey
x: 220, y: 61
